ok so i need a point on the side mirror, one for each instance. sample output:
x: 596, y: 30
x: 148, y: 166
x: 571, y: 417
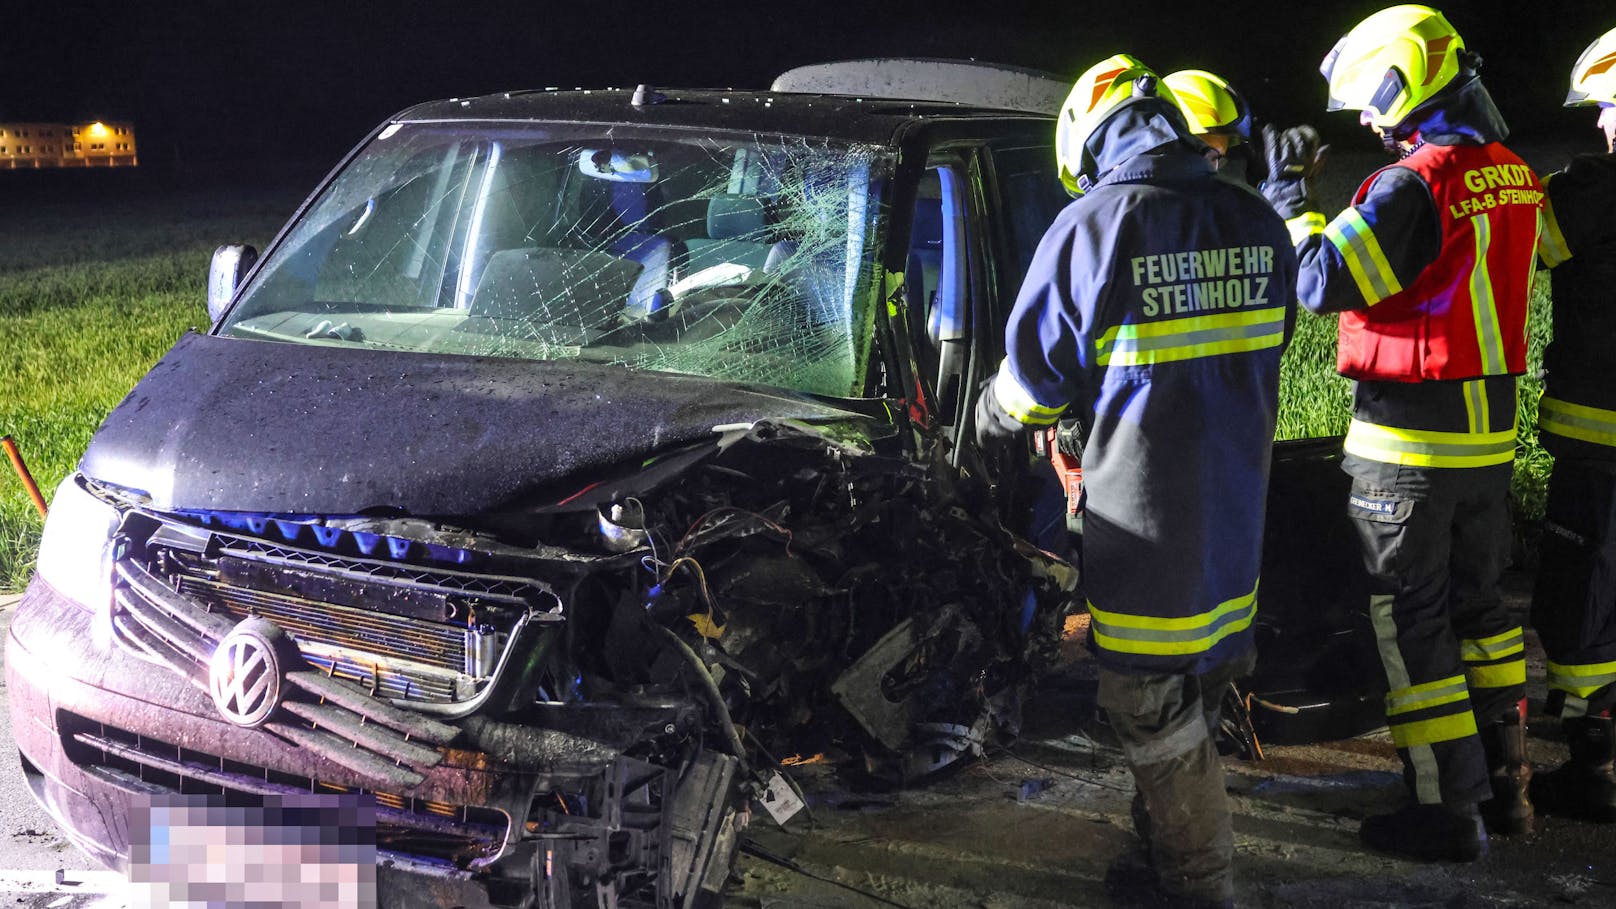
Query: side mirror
x: 230, y: 265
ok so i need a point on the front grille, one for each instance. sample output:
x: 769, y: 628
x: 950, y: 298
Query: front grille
x: 386, y: 636
x: 463, y: 834
x: 391, y: 655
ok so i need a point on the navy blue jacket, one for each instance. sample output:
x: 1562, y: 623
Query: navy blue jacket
x: 1155, y: 310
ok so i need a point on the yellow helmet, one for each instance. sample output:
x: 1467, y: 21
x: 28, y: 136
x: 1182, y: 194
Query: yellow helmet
x: 1097, y: 94
x: 1392, y: 62
x: 1593, y: 79
x: 1210, y: 104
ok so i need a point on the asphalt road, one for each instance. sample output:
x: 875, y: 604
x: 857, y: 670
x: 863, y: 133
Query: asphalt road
x: 1034, y: 827
x: 38, y: 868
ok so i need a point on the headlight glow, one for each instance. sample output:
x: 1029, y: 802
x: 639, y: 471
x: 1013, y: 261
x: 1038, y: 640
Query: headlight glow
x: 71, y: 552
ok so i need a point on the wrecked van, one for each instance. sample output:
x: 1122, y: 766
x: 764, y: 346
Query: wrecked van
x: 570, y: 462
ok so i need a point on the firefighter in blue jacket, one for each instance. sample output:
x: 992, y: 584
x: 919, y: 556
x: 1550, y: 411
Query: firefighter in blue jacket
x: 1430, y: 268
x: 1574, y: 605
x: 1155, y: 311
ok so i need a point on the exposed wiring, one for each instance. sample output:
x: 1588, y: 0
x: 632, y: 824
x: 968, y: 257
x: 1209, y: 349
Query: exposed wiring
x: 753, y: 849
x: 731, y: 509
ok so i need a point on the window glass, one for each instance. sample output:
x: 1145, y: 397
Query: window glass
x: 738, y: 257
x: 1033, y: 196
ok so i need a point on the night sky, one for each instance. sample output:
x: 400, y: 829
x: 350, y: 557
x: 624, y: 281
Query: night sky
x: 282, y: 79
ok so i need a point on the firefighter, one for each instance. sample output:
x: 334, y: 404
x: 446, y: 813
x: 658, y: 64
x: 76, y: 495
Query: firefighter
x: 1155, y: 310
x: 1574, y: 603
x: 1216, y: 113
x: 1430, y: 269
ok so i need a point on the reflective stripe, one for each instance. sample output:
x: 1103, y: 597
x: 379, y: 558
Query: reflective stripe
x: 1489, y: 337
x: 1305, y: 225
x: 1157, y: 636
x: 1350, y: 234
x: 1476, y: 413
x: 1192, y: 337
x: 1429, y: 448
x: 1429, y: 732
x: 1580, y: 680
x: 1018, y: 402
x: 1482, y: 650
x: 1576, y: 421
x: 1428, y: 694
x: 1499, y: 675
x: 1551, y: 246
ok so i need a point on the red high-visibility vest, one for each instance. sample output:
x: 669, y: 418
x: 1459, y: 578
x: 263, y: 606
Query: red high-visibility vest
x: 1465, y: 315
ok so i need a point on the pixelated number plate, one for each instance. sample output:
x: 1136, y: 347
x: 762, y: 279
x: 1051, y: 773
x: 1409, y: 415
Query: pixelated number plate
x: 290, y: 850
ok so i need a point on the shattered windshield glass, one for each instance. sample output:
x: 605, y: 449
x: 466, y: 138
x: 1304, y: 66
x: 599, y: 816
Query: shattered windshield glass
x: 735, y: 257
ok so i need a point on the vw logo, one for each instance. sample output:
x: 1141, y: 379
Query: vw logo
x: 245, y: 674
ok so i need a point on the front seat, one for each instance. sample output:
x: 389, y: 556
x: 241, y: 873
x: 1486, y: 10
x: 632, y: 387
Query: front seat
x: 632, y: 232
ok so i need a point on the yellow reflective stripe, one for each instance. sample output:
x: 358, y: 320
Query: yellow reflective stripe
x: 1427, y: 694
x: 1429, y: 732
x: 1503, y: 644
x: 1489, y: 337
x: 1158, y: 636
x: 1188, y: 338
x: 1018, y: 402
x: 1576, y: 421
x: 1305, y: 225
x: 1500, y: 675
x: 1580, y: 679
x: 1429, y: 448
x: 1351, y: 236
x: 1551, y: 245
x: 1476, y: 413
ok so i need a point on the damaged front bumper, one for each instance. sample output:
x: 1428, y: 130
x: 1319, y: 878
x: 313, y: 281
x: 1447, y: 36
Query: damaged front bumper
x: 101, y: 734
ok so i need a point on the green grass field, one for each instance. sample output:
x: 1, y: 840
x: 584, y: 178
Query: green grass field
x: 92, y: 293
x: 91, y: 296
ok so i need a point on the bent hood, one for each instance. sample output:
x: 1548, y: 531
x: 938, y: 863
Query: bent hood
x: 225, y: 424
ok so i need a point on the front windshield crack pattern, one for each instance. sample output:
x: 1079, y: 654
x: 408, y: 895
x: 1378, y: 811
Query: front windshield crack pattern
x: 748, y: 260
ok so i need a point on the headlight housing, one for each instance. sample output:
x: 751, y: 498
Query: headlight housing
x: 72, y: 552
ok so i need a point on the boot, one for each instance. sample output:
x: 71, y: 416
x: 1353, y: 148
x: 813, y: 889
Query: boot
x: 1584, y: 786
x: 1509, y: 811
x: 1428, y: 832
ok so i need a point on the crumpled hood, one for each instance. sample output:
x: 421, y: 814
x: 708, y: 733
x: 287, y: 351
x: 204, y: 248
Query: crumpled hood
x: 226, y: 424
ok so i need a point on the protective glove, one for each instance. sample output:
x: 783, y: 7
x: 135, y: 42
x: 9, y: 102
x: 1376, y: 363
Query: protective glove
x: 1295, y: 159
x: 993, y: 425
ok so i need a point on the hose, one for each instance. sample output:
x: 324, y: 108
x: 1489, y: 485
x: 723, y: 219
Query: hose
x: 22, y: 471
x: 713, y: 694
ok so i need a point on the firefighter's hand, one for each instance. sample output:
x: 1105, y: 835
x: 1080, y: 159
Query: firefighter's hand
x: 1295, y: 158
x: 993, y: 425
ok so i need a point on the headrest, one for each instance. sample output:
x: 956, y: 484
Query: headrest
x: 631, y: 202
x: 729, y: 217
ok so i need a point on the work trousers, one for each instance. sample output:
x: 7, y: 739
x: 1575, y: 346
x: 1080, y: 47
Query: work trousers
x: 1452, y: 657
x: 1167, y: 727
x: 1574, y: 602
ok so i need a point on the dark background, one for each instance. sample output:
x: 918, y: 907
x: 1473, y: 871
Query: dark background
x: 228, y: 81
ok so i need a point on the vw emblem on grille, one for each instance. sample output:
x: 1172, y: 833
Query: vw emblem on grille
x: 245, y: 675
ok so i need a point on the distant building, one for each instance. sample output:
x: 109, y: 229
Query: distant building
x: 41, y: 145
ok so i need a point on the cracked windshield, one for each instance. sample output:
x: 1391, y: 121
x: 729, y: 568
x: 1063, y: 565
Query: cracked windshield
x: 742, y: 259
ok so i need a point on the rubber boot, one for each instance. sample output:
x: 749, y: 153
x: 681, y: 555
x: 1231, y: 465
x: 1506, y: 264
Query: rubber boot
x: 1509, y: 811
x: 1585, y: 786
x: 1432, y: 833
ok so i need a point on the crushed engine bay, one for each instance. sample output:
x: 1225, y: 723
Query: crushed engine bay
x: 639, y: 654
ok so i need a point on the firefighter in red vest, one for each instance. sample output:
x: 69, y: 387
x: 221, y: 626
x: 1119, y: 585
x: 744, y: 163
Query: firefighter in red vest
x: 1430, y: 269
x: 1574, y: 604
